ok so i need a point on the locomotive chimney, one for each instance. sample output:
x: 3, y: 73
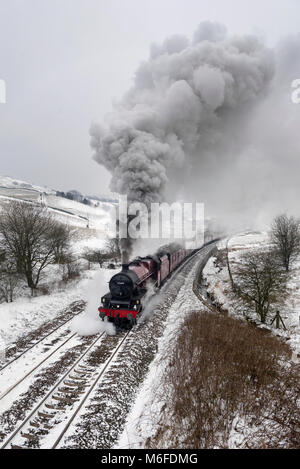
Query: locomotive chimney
x: 125, y: 267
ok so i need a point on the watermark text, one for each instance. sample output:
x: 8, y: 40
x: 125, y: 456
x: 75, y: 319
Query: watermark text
x: 296, y: 93
x: 177, y: 221
x: 2, y: 92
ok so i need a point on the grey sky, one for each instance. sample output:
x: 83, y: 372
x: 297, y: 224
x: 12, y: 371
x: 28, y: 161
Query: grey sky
x: 64, y: 61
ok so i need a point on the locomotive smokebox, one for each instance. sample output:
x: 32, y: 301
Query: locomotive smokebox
x: 123, y: 284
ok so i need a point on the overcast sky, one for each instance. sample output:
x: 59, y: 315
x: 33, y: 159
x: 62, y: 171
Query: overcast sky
x: 65, y: 61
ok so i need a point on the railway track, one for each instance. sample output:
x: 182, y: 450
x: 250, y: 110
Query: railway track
x: 53, y: 415
x: 60, y: 323
x: 59, y: 336
x: 35, y: 368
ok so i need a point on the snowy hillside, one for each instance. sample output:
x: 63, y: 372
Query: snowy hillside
x: 8, y: 182
x: 96, y: 215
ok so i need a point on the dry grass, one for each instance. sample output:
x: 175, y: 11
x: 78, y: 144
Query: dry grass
x: 225, y: 375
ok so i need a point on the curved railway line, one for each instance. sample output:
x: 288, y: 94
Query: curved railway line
x: 50, y: 419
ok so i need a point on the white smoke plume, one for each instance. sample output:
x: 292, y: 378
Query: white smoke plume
x: 199, y: 123
x: 152, y: 300
x: 89, y: 322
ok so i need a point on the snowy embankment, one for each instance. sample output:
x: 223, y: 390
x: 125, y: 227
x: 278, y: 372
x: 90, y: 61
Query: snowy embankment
x: 218, y: 285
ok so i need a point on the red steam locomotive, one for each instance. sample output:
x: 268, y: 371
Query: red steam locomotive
x: 124, y: 303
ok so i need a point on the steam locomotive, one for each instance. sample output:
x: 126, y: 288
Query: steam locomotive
x: 124, y: 303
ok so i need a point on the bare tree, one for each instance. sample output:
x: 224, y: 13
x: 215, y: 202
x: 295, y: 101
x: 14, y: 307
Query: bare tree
x: 73, y: 270
x: 110, y: 252
x: 29, y: 236
x: 285, y: 233
x: 95, y: 256
x: 70, y: 265
x: 61, y: 235
x: 260, y: 283
x: 87, y: 256
x: 9, y: 278
x: 112, y: 249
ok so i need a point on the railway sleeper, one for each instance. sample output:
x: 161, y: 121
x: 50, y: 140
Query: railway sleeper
x: 71, y: 391
x: 67, y: 400
x: 74, y: 393
x: 84, y: 367
x: 17, y: 447
x: 34, y: 424
x: 82, y: 373
x: 42, y: 427
x: 45, y: 415
x: 77, y: 379
x: 71, y: 385
x: 74, y: 386
x: 29, y: 436
x: 53, y: 407
x: 47, y: 427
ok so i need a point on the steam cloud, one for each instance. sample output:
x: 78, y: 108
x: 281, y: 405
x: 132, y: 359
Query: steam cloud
x: 200, y: 124
x: 88, y: 323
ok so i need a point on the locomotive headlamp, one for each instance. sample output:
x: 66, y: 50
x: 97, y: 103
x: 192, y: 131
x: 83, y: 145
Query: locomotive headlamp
x: 135, y: 307
x: 137, y: 302
x: 102, y: 300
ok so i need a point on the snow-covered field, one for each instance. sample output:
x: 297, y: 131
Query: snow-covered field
x: 6, y: 182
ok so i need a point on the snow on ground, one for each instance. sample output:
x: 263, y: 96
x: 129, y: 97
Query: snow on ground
x: 28, y: 313
x: 252, y: 239
x: 218, y: 284
x: 98, y: 215
x: 11, y: 183
x: 89, y: 239
x: 141, y: 420
x: 67, y: 211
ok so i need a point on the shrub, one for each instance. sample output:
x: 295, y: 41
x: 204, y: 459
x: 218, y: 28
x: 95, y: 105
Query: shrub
x: 225, y: 376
